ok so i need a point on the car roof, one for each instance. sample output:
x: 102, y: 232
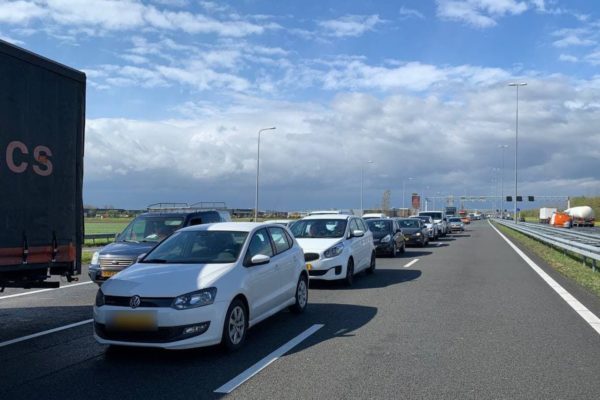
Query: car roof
x: 328, y: 216
x: 378, y: 219
x: 230, y: 226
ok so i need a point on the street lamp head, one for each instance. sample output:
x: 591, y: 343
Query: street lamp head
x: 517, y: 84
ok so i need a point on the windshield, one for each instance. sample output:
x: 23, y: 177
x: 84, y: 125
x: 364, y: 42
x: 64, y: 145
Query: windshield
x: 434, y: 215
x: 408, y: 223
x: 150, y: 229
x: 319, y: 228
x: 455, y: 220
x: 198, y: 247
x: 424, y: 218
x: 380, y: 226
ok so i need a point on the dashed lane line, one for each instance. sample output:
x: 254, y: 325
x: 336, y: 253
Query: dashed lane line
x: 268, y: 360
x: 411, y: 263
x: 44, y: 333
x: 45, y: 290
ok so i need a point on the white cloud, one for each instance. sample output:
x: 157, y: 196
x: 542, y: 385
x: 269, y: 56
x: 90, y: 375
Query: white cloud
x: 479, y: 13
x: 410, y: 13
x: 350, y: 25
x: 214, y: 151
x: 568, y: 58
x: 574, y: 37
x: 120, y: 15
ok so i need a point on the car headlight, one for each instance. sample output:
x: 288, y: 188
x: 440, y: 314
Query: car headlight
x: 95, y: 258
x: 99, y: 298
x: 386, y: 239
x: 418, y: 234
x: 199, y: 298
x: 334, y: 251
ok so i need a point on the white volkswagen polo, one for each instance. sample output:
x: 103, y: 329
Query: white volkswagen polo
x: 204, y: 285
x: 335, y: 246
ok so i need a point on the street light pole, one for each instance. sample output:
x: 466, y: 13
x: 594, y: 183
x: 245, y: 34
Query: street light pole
x: 503, y: 147
x: 362, y: 173
x: 258, y: 171
x: 517, y: 85
x: 403, y: 191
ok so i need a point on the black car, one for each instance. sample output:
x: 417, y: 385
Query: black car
x: 414, y: 231
x: 387, y: 236
x: 145, y: 232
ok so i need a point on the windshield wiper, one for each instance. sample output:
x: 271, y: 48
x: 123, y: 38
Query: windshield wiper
x: 130, y: 241
x: 155, y: 261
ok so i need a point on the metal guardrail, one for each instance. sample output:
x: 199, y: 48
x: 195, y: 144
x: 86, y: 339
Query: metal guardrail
x: 99, y: 236
x: 585, y: 245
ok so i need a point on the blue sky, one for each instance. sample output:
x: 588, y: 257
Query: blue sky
x: 178, y: 89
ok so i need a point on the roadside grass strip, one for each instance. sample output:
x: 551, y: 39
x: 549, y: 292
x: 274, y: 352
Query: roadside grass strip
x: 268, y: 360
x: 582, y: 310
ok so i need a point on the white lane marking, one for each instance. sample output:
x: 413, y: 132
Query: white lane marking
x: 438, y: 244
x: 45, y: 290
x: 411, y: 263
x: 265, y: 362
x: 49, y: 331
x: 582, y: 310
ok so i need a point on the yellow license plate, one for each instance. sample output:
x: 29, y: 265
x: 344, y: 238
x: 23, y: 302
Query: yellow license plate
x: 108, y: 274
x: 133, y: 321
x: 309, y: 266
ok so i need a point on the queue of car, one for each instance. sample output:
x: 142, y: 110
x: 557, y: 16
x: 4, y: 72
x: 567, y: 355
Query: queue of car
x: 208, y: 283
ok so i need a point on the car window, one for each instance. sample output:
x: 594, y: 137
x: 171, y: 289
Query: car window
x: 200, y: 247
x: 410, y: 223
x: 151, y: 229
x: 259, y: 244
x: 363, y: 225
x: 354, y: 225
x: 279, y: 239
x: 210, y: 217
x: 318, y: 228
x: 379, y: 226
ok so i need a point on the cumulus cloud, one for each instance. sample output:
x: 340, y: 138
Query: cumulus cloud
x: 319, y: 148
x: 479, y: 13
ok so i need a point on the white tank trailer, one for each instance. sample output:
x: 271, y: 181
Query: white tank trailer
x: 581, y: 216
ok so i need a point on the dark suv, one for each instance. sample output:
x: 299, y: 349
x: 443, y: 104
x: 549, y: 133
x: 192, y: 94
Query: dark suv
x: 144, y: 232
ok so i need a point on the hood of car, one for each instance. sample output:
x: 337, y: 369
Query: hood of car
x: 131, y: 249
x: 379, y: 235
x: 314, y: 245
x: 164, y: 280
x: 410, y: 231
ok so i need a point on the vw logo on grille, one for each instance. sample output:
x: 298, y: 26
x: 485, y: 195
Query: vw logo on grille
x: 135, y: 301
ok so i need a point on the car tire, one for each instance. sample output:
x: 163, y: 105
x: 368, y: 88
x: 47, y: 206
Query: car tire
x: 349, y: 279
x: 301, y: 296
x: 235, y: 326
x: 403, y: 248
x: 373, y: 264
x: 394, y: 250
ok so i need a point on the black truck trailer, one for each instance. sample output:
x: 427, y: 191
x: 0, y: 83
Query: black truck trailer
x: 42, y: 117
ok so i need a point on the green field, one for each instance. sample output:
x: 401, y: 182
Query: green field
x: 106, y: 225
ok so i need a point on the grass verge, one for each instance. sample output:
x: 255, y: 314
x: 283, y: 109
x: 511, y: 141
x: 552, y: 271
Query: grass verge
x: 570, y: 265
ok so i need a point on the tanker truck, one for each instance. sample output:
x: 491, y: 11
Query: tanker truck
x: 42, y: 114
x: 581, y: 216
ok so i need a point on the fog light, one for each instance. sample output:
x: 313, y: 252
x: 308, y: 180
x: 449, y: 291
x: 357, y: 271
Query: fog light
x: 338, y: 270
x: 196, y: 329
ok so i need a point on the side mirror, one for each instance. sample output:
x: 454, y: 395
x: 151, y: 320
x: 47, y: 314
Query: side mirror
x: 260, y: 259
x: 358, y: 233
x: 139, y: 258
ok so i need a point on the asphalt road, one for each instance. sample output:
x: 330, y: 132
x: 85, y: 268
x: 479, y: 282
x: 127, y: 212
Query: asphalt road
x: 469, y: 319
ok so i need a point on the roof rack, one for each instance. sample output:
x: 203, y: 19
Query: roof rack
x: 185, y: 207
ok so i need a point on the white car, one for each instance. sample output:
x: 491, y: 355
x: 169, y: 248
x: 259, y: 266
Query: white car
x: 335, y: 246
x: 433, y: 229
x: 439, y: 217
x: 374, y: 215
x: 203, y: 285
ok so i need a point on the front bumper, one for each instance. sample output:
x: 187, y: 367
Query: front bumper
x: 328, y: 269
x: 169, y: 327
x: 412, y: 239
x: 383, y: 248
